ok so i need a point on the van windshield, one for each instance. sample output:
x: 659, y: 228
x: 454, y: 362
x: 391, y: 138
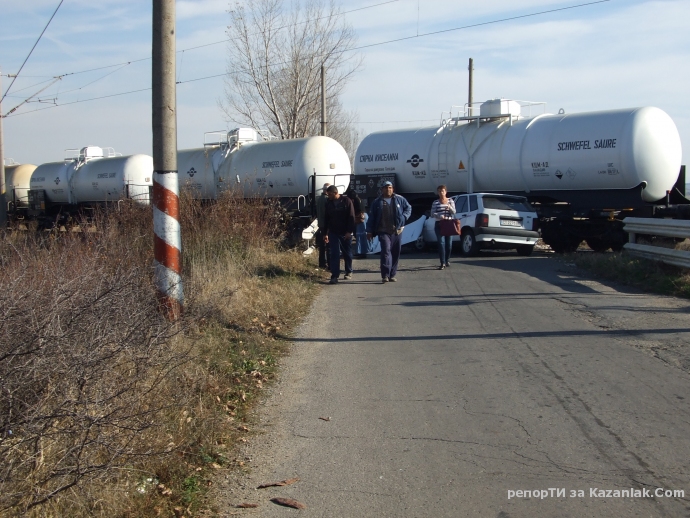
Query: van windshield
x: 507, y: 203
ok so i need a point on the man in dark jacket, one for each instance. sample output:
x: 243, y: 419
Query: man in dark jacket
x: 339, y: 226
x: 387, y: 217
x: 321, y: 219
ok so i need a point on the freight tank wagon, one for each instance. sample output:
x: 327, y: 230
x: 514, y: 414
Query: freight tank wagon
x: 94, y: 176
x: 245, y: 163
x: 17, y: 179
x: 583, y: 171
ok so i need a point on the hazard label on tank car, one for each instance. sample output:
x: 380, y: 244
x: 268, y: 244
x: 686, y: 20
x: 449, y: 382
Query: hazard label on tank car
x: 559, y: 175
x: 461, y: 166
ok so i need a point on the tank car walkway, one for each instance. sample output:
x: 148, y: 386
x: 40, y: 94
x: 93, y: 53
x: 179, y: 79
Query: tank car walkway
x: 451, y: 393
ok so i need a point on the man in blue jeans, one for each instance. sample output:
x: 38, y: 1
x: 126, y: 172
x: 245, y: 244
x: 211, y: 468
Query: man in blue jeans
x: 339, y: 226
x: 387, y: 217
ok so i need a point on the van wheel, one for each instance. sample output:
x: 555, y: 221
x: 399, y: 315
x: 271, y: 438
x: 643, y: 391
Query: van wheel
x: 525, y: 250
x: 468, y: 245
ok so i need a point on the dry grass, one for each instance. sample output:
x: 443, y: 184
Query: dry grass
x: 106, y: 408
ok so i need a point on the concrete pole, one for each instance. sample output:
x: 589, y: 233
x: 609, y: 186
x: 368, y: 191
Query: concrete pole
x: 3, y: 197
x: 323, y: 101
x: 471, y: 86
x: 166, y: 207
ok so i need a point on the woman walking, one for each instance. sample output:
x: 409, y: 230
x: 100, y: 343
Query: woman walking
x: 443, y: 208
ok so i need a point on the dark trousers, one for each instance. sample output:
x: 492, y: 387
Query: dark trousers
x: 339, y: 243
x: 390, y: 254
x: 323, y: 256
x: 445, y: 244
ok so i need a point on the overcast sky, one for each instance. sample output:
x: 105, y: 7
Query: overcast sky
x: 607, y: 55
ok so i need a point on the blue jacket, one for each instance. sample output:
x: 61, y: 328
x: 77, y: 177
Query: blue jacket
x: 403, y: 210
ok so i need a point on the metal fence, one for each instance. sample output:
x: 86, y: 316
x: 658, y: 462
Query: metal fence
x: 658, y: 227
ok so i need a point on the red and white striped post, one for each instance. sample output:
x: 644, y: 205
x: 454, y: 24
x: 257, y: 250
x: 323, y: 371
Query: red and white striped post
x: 167, y: 243
x: 166, y: 194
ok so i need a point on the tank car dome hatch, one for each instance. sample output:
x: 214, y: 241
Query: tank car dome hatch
x: 499, y: 108
x: 91, y: 152
x: 242, y: 135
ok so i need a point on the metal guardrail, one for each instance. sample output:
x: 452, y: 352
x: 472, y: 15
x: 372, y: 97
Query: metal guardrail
x: 658, y: 227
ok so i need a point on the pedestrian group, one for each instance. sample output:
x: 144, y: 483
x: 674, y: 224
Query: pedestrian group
x: 342, y: 216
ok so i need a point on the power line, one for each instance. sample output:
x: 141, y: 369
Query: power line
x: 482, y: 24
x: 31, y: 51
x: 349, y: 50
x: 122, y: 65
x: 215, y: 42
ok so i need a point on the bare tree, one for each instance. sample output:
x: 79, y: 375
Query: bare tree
x: 274, y: 62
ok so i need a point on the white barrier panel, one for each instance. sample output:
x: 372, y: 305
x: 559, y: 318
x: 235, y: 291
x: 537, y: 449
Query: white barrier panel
x: 658, y: 227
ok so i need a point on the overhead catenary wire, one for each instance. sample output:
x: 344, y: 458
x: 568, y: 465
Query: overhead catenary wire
x: 182, y: 51
x: 395, y: 40
x: 124, y: 64
x: 14, y: 78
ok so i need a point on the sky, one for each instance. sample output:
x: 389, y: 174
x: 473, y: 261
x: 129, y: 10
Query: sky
x: 579, y: 58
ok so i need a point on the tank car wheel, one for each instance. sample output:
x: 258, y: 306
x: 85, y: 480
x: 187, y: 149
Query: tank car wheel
x: 597, y: 244
x: 420, y: 244
x: 565, y: 246
x: 525, y: 250
x: 468, y: 244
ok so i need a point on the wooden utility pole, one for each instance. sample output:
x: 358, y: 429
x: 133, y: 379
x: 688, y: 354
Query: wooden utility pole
x: 323, y: 101
x: 3, y: 197
x: 166, y: 206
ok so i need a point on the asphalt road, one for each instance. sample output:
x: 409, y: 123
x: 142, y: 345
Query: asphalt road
x: 450, y: 391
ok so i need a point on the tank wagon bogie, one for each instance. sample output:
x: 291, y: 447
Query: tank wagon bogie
x: 583, y: 172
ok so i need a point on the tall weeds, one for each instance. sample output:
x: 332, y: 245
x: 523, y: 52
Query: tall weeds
x: 105, y: 406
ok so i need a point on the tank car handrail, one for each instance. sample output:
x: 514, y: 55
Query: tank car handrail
x: 223, y: 140
x: 110, y: 152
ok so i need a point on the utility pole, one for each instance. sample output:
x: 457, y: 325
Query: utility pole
x: 3, y: 197
x: 469, y: 98
x: 166, y: 193
x: 323, y: 101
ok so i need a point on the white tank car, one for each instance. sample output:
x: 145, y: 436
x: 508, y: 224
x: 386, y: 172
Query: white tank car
x: 596, y: 151
x: 275, y: 168
x: 282, y: 168
x: 17, y: 178
x: 198, y: 167
x: 95, y: 176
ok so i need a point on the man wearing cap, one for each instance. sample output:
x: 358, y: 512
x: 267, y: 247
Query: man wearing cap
x: 321, y: 221
x: 387, y: 217
x: 338, y: 230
